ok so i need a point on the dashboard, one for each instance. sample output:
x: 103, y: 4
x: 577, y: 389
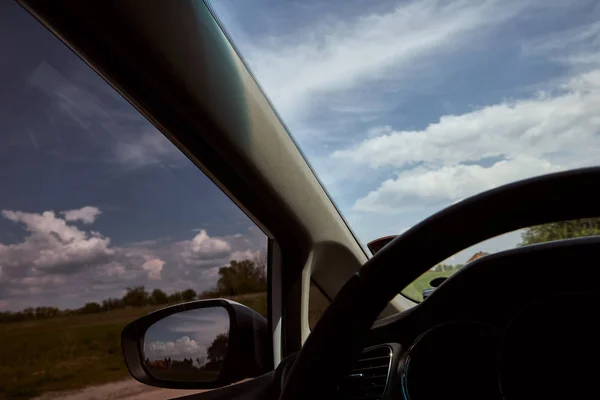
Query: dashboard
x: 521, y: 324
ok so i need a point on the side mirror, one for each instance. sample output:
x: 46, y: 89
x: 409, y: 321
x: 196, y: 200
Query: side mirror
x: 197, y: 345
x: 378, y: 244
x: 434, y: 283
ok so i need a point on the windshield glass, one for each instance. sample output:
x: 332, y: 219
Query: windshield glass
x: 405, y: 108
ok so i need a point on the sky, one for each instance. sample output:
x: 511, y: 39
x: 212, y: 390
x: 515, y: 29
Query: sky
x: 95, y: 199
x: 403, y: 108
x: 185, y: 335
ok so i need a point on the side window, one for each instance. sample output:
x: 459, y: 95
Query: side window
x: 102, y: 220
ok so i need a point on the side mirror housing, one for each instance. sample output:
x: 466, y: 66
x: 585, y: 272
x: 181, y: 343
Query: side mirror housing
x: 378, y: 244
x: 197, y: 345
x: 434, y: 283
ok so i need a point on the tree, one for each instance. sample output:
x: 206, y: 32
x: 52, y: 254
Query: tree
x: 241, y: 277
x: 175, y: 297
x: 136, y: 297
x: 158, y: 297
x: 217, y: 350
x: 561, y: 230
x: 208, y: 294
x: 112, y: 304
x: 90, y: 308
x: 447, y: 268
x: 46, y: 312
x: 189, y: 295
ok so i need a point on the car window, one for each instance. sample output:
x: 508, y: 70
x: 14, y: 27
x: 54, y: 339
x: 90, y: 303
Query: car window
x: 422, y: 286
x: 102, y: 220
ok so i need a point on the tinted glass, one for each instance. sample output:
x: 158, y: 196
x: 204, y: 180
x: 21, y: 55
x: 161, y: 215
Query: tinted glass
x: 102, y: 220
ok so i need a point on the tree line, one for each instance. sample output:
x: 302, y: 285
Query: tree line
x: 540, y: 234
x: 561, y: 230
x: 239, y: 277
x: 249, y: 276
x: 447, y: 268
x: 212, y: 361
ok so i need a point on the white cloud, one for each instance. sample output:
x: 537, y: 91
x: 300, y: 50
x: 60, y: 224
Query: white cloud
x: 577, y: 47
x: 107, y: 120
x: 87, y: 214
x: 421, y: 187
x: 112, y: 269
x: 180, y: 348
x: 534, y: 136
x: 539, y: 126
x: 203, y: 325
x: 247, y: 254
x: 146, y: 149
x: 154, y: 267
x: 58, y: 263
x: 203, y: 246
x: 71, y: 98
x: 56, y: 260
x: 53, y: 244
x: 335, y: 54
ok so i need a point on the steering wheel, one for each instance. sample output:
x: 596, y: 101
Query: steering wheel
x: 338, y: 338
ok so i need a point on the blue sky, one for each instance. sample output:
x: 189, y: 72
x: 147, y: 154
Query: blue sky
x: 402, y: 108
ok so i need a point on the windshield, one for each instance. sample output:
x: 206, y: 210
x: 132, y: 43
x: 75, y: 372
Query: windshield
x: 405, y: 108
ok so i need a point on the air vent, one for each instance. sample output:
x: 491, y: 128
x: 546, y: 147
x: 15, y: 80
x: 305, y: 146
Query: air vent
x: 368, y: 379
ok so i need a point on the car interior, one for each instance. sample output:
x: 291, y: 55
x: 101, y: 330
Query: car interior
x: 479, y: 334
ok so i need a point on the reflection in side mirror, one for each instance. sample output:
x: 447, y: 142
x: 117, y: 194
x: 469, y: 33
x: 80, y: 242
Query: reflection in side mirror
x: 188, y: 346
x: 198, y: 345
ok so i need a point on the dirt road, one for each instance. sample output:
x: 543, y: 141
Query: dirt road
x: 128, y: 389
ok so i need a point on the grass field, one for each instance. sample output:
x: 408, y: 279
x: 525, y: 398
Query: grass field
x: 414, y: 291
x: 71, y: 352
x: 74, y: 352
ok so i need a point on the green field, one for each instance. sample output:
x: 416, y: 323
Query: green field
x: 71, y: 352
x: 414, y: 291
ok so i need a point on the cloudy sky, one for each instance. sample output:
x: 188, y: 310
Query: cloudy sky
x: 406, y: 107
x: 95, y: 199
x: 402, y: 108
x: 185, y: 335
